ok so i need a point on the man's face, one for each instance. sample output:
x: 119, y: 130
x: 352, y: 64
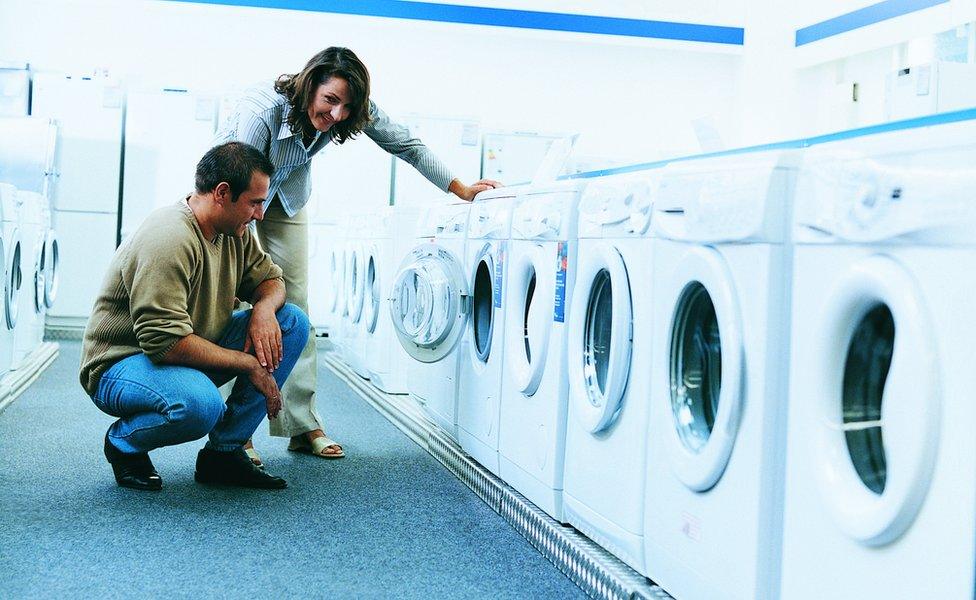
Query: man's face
x: 329, y: 104
x: 249, y: 206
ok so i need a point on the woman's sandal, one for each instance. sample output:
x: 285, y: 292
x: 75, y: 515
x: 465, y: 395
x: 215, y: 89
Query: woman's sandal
x: 316, y: 447
x: 254, y: 456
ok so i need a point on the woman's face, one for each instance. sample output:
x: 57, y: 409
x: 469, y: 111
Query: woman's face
x: 330, y: 104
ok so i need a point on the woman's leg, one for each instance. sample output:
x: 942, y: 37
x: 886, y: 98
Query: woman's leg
x: 286, y: 240
x: 246, y: 406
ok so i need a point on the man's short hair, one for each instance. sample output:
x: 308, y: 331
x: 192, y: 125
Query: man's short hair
x: 231, y: 162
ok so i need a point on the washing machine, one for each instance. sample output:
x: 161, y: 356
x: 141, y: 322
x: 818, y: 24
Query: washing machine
x: 386, y: 360
x: 89, y: 113
x: 721, y: 279
x: 50, y: 257
x: 353, y: 336
x: 11, y: 253
x: 482, y: 347
x: 29, y: 330
x: 429, y: 308
x: 881, y: 457
x: 336, y: 299
x: 535, y: 389
x: 608, y: 352
x: 321, y: 237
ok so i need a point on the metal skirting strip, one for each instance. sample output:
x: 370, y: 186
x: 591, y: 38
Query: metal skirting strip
x: 64, y: 333
x: 13, y: 383
x: 597, y: 572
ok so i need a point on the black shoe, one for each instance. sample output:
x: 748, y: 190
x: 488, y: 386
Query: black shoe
x: 234, y: 468
x: 134, y: 471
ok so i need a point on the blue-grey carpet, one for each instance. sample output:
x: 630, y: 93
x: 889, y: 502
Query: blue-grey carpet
x: 387, y: 521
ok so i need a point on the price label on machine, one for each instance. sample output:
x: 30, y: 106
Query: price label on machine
x: 562, y: 260
x: 498, y: 276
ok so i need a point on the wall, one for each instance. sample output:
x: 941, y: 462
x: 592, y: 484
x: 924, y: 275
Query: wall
x: 632, y: 100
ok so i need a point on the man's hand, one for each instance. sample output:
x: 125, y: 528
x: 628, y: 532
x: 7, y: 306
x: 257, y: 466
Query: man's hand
x: 468, y: 192
x: 265, y: 383
x: 264, y: 338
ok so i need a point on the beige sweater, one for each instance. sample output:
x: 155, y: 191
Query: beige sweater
x: 165, y: 282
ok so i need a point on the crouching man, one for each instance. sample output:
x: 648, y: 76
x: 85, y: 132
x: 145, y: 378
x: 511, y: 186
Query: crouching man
x: 163, y: 334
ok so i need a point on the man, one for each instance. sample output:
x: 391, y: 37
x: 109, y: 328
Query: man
x: 163, y: 335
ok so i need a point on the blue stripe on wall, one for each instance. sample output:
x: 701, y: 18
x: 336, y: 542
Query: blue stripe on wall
x: 503, y: 17
x: 868, y: 15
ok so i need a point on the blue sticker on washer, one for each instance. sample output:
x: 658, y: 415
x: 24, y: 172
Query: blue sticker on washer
x: 499, y: 275
x: 562, y: 260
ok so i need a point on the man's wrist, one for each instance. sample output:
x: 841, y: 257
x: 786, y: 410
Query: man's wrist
x: 247, y: 363
x: 263, y: 307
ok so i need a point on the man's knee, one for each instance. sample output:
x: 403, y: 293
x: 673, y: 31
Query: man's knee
x: 198, y: 411
x: 293, y: 321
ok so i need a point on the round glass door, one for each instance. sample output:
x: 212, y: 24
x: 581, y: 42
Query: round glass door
x: 596, y: 338
x: 877, y: 417
x: 51, y: 268
x: 372, y: 301
x: 531, y: 295
x: 696, y: 367
x: 483, y: 307
x: 40, y: 269
x: 600, y: 338
x: 357, y: 284
x: 704, y: 369
x: 12, y: 282
x: 335, y: 270
x: 429, y: 304
x: 865, y: 375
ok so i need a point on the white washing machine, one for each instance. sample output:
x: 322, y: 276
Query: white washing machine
x: 336, y: 300
x: 29, y: 330
x: 386, y: 360
x: 713, y: 510
x: 320, y: 240
x: 10, y: 269
x: 50, y: 258
x: 881, y: 457
x: 429, y: 307
x: 28, y: 148
x: 535, y: 390
x: 353, y: 336
x: 482, y: 347
x: 88, y: 110
x: 608, y: 350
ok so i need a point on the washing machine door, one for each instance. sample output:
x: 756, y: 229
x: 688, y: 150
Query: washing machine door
x: 12, y: 279
x: 877, y: 433
x: 429, y: 304
x: 39, y: 274
x: 373, y: 291
x: 532, y: 292
x: 336, y: 274
x: 485, y: 284
x: 356, y: 278
x: 52, y: 261
x: 600, y: 337
x: 705, y: 367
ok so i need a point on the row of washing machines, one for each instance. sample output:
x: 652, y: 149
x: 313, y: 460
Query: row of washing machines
x: 746, y: 375
x: 29, y: 254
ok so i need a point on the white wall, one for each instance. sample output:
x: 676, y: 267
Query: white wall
x: 631, y: 100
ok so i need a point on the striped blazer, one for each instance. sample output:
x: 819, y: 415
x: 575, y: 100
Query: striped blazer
x: 260, y: 119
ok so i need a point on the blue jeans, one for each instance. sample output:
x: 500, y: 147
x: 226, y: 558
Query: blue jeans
x: 163, y: 405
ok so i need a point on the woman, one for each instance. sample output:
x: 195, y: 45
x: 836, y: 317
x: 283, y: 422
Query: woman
x: 290, y: 121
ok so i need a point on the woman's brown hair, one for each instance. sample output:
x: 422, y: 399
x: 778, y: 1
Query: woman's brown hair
x: 300, y: 90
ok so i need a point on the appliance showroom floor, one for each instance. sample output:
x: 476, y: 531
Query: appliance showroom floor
x: 387, y: 521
